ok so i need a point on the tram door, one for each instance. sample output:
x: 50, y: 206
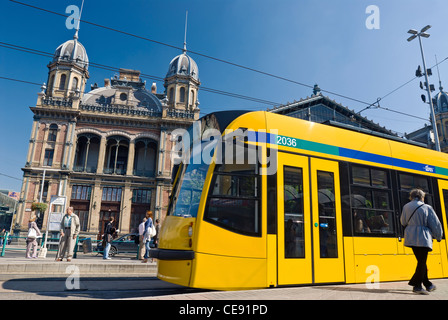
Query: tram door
x: 328, y: 248
x: 443, y: 187
x: 309, y: 221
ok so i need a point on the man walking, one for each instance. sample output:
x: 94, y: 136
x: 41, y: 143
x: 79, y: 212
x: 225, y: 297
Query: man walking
x: 69, y: 231
x: 421, y: 227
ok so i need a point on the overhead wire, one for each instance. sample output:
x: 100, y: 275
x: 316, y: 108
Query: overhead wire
x: 143, y: 75
x: 233, y: 64
x: 192, y: 52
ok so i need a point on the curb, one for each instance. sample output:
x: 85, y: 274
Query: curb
x: 61, y: 268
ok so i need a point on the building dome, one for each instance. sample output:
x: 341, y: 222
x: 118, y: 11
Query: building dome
x: 72, y: 50
x: 441, y: 101
x: 183, y: 65
x: 141, y: 98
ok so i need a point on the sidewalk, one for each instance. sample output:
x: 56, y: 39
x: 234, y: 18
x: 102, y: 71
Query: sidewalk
x: 386, y: 291
x: 15, y: 263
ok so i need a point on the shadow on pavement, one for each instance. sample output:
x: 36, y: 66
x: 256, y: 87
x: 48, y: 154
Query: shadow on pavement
x: 92, y: 288
x: 365, y: 290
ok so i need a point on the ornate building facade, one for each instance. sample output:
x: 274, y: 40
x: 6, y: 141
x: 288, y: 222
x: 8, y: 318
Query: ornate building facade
x: 108, y: 150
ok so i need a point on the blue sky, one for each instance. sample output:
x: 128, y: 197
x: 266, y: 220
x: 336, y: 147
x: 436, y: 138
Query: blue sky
x: 308, y: 41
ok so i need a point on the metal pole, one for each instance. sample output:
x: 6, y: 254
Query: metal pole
x: 5, y: 239
x: 42, y: 186
x: 433, y: 117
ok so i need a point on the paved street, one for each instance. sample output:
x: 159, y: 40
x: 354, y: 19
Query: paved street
x: 91, y: 288
x: 89, y: 277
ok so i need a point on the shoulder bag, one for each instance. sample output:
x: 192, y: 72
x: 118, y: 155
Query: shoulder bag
x: 32, y: 234
x: 404, y: 227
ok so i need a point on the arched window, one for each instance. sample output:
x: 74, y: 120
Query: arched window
x: 171, y: 95
x: 62, y: 82
x: 52, y: 132
x: 182, y: 94
x: 446, y: 128
x: 50, y: 84
x: 75, y: 84
x: 192, y: 101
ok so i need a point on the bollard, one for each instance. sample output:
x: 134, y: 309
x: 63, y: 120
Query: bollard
x: 5, y: 240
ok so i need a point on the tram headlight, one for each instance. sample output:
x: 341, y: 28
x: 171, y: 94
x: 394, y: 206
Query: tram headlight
x: 190, y: 230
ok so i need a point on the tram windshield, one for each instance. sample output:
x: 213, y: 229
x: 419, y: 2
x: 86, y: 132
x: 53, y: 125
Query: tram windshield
x: 188, y: 187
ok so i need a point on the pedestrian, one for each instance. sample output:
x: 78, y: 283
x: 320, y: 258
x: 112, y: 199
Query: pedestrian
x: 109, y: 231
x: 147, y: 235
x: 156, y: 238
x: 141, y: 247
x: 421, y: 226
x: 2, y: 236
x: 69, y: 231
x: 33, y: 234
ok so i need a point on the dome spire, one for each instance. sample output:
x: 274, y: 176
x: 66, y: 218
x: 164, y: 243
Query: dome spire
x: 185, y: 35
x: 438, y: 72
x: 75, y: 37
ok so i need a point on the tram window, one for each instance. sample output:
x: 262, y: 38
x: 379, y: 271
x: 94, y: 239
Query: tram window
x: 445, y: 203
x: 409, y: 182
x: 293, y: 208
x: 234, y: 197
x: 187, y: 190
x: 235, y: 186
x: 327, y: 215
x: 371, y: 202
x: 370, y: 177
x: 379, y: 178
x: 361, y: 175
x: 239, y: 215
x: 243, y: 160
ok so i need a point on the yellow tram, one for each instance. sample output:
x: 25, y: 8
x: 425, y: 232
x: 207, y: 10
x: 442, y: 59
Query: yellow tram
x: 320, y: 205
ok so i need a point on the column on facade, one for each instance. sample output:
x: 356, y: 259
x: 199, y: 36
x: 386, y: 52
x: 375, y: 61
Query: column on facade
x: 161, y: 153
x: 44, y: 144
x: 32, y: 146
x: 94, y: 215
x: 46, y: 200
x: 101, y: 155
x: 126, y: 204
x: 116, y: 156
x: 65, y: 147
x: 87, y: 154
x: 158, y: 205
x: 72, y: 143
x: 20, y: 212
x: 131, y: 156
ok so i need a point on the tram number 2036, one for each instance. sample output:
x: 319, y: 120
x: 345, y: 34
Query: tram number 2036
x: 286, y: 141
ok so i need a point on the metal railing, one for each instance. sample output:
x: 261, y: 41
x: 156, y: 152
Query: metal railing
x: 52, y: 244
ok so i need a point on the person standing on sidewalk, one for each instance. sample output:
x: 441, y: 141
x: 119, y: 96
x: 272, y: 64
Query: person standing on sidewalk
x: 69, y: 231
x: 421, y: 226
x: 141, y: 247
x: 109, y: 231
x: 147, y: 235
x: 33, y: 234
x: 2, y: 236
